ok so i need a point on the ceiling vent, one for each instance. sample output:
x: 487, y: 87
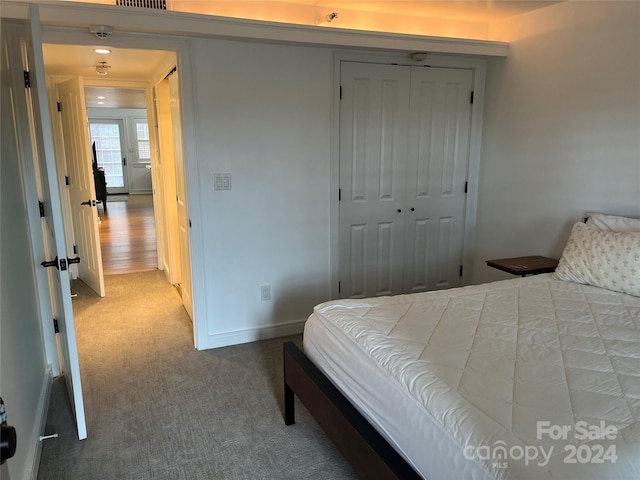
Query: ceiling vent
x: 154, y: 4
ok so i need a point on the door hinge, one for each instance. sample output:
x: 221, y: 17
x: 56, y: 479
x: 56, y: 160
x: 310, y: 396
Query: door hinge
x: 471, y: 97
x: 56, y: 327
x: 340, y: 92
x: 339, y: 287
x: 59, y: 106
x: 27, y: 80
x: 189, y: 223
x: 75, y: 249
x: 461, y: 268
x: 41, y: 208
x: 466, y: 187
x: 67, y: 180
x: 339, y: 194
x: 124, y: 161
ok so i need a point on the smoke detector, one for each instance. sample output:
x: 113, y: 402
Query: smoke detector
x: 101, y: 31
x: 419, y: 56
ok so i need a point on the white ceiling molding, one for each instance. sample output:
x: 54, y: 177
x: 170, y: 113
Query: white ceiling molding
x: 195, y: 25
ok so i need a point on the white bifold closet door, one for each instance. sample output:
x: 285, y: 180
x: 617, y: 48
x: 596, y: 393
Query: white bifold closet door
x: 404, y: 151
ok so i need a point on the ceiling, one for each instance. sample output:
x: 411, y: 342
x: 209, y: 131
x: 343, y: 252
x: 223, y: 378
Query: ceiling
x: 125, y: 65
x: 131, y: 64
x: 81, y: 60
x: 464, y: 10
x: 112, y: 97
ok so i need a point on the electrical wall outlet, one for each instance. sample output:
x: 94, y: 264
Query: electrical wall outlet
x: 265, y: 292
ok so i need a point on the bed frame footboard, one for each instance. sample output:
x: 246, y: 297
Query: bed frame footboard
x: 370, y: 455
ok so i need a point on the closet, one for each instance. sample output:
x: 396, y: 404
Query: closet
x: 404, y: 156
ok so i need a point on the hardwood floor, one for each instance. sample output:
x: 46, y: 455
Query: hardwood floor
x: 128, y: 235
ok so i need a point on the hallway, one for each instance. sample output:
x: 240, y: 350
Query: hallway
x: 127, y: 234
x: 156, y: 408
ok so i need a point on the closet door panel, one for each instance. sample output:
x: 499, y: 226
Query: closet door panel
x: 437, y: 164
x: 374, y: 116
x: 404, y: 151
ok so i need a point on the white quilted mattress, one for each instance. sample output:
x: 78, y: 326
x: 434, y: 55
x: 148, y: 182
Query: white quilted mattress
x: 508, y: 380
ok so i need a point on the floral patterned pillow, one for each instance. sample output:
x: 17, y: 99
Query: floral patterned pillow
x: 608, y: 260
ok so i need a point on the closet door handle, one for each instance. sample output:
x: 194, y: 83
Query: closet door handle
x: 399, y: 210
x: 413, y: 209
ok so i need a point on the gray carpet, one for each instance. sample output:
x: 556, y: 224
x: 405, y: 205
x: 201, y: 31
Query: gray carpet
x: 158, y: 409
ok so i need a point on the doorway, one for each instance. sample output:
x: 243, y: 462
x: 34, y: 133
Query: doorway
x: 121, y: 148
x: 121, y: 120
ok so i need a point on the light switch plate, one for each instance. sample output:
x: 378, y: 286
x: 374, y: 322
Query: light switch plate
x: 222, y: 181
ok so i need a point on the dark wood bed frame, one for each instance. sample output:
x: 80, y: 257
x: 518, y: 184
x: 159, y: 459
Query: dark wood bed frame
x: 370, y: 455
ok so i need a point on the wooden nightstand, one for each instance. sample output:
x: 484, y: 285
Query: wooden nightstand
x: 525, y: 265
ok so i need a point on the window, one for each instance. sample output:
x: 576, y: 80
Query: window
x: 106, y: 135
x: 142, y: 140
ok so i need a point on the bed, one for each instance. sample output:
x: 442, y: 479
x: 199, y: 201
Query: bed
x: 528, y: 378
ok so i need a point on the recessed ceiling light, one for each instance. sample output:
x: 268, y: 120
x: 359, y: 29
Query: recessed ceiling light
x: 102, y: 50
x: 100, y: 103
x: 100, y: 97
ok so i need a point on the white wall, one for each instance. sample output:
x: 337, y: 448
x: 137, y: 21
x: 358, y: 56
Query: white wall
x: 560, y: 137
x: 23, y: 370
x: 263, y: 114
x: 561, y: 128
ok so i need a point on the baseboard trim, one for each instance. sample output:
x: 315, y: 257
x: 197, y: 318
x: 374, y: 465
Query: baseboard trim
x: 254, y: 334
x: 35, y: 451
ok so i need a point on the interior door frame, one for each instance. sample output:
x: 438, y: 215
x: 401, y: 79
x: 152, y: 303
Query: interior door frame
x: 182, y: 48
x: 479, y: 68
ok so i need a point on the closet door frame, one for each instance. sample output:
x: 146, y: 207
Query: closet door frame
x: 478, y: 67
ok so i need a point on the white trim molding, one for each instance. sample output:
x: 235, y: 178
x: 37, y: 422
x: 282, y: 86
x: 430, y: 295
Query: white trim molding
x: 254, y: 334
x: 34, y: 443
x: 197, y: 25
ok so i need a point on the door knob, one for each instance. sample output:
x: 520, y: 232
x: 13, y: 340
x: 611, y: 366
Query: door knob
x: 413, y: 209
x: 399, y: 210
x: 50, y: 263
x: 8, y: 437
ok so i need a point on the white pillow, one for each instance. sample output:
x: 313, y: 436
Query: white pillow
x: 608, y: 260
x: 613, y: 223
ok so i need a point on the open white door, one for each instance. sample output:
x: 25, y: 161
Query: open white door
x: 82, y: 190
x: 183, y: 219
x: 52, y: 226
x: 167, y: 172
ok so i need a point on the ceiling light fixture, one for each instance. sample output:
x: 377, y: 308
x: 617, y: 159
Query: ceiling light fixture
x: 102, y: 68
x: 104, y: 51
